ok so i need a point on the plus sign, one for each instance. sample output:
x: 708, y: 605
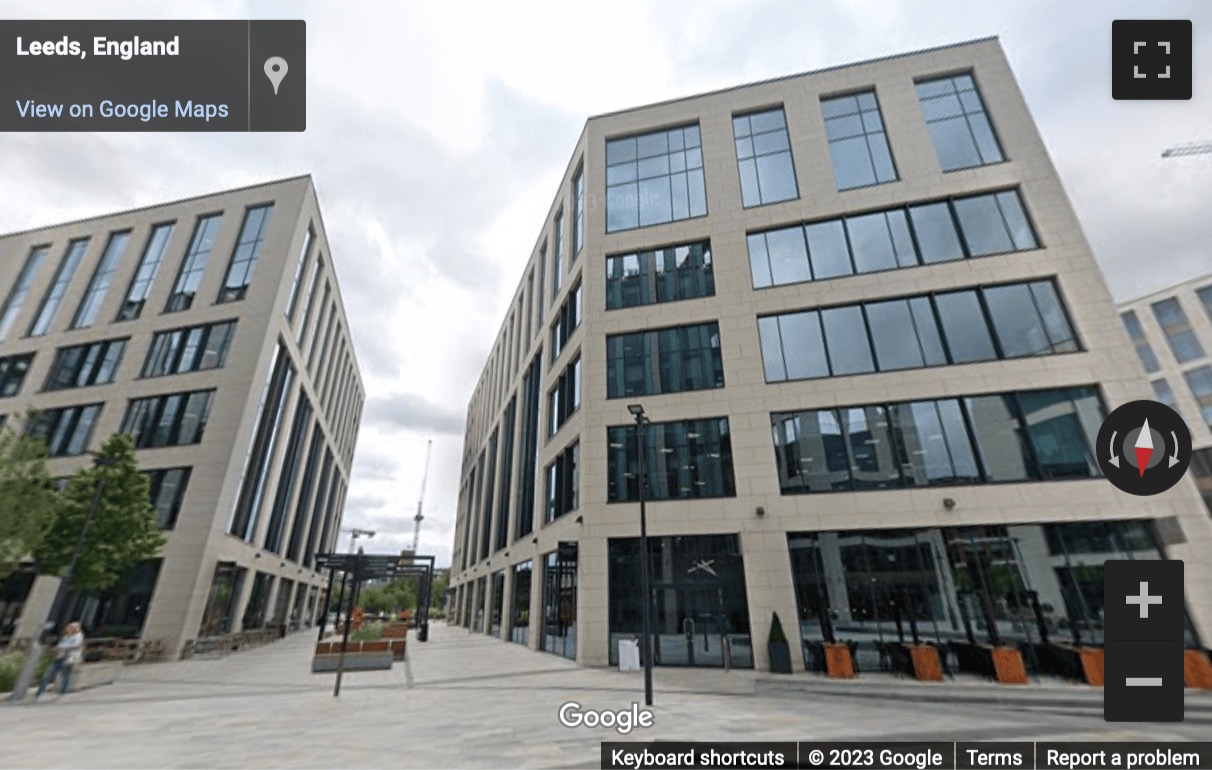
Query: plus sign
x: 1144, y: 600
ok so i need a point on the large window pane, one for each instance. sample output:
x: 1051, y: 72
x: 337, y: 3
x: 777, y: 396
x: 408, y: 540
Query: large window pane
x: 670, y: 186
x: 803, y: 345
x: 827, y: 247
x: 1020, y: 329
x: 1144, y: 350
x: 1173, y: 320
x: 892, y: 331
x: 965, y: 327
x: 1003, y: 449
x: 788, y: 256
x: 958, y: 123
x: 846, y: 339
x: 874, y: 463
x: 1057, y: 435
x: 881, y: 241
x: 857, y: 142
x: 1199, y: 380
x: 981, y: 222
x: 764, y: 158
x: 935, y: 230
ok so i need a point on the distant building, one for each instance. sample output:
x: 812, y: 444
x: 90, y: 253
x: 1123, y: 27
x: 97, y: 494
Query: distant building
x: 213, y: 331
x: 1171, y: 331
x: 874, y: 349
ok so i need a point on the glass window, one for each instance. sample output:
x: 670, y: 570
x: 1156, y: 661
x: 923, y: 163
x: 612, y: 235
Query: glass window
x: 690, y: 459
x: 170, y: 420
x: 981, y: 222
x: 643, y: 185
x: 54, y: 295
x: 1205, y: 297
x: 167, y: 493
x: 193, y: 266
x: 12, y: 374
x: 567, y: 321
x: 1173, y: 321
x: 557, y: 255
x: 149, y: 265
x: 1019, y: 320
x: 309, y: 236
x: 873, y: 459
x: 244, y: 257
x: 935, y: 230
x: 846, y: 340
x: 1144, y: 350
x: 192, y: 349
x: 1164, y: 393
x: 578, y: 212
x: 958, y: 123
x: 1000, y: 439
x: 565, y: 398
x: 563, y: 483
x: 82, y: 365
x: 881, y: 241
x: 103, y: 276
x: 933, y: 442
x: 1057, y: 434
x: 892, y: 330
x: 793, y: 346
x: 16, y: 298
x: 670, y: 360
x: 1200, y: 382
x: 664, y: 275
x: 858, y: 144
x: 763, y: 152
x: 66, y: 431
x: 828, y: 249
x: 964, y: 327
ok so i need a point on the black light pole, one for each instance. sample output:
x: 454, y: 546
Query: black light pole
x: 26, y: 675
x: 640, y: 420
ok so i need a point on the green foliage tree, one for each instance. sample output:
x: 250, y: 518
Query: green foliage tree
x: 123, y: 532
x: 28, y: 501
x: 438, y: 591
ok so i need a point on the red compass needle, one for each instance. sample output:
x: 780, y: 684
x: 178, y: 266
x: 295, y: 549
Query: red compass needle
x: 1144, y: 448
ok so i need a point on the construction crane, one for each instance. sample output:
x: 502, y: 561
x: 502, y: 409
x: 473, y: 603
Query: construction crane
x: 416, y: 530
x: 1196, y: 148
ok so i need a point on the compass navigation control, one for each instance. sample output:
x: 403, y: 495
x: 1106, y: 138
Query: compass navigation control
x: 1144, y: 447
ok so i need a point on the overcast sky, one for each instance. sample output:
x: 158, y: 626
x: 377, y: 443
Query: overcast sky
x: 438, y: 132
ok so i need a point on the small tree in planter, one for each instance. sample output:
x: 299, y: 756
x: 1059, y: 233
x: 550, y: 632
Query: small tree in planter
x: 778, y: 648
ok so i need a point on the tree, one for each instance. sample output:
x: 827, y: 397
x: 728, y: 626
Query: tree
x: 437, y: 592
x: 28, y: 501
x: 123, y: 532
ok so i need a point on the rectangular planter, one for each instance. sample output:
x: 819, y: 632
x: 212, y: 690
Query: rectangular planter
x: 926, y: 664
x: 1008, y: 665
x: 395, y: 631
x: 397, y: 648
x: 376, y: 646
x: 1197, y: 670
x: 1092, y: 665
x: 838, y: 662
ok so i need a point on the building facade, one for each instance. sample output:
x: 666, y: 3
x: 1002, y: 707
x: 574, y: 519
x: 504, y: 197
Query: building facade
x: 873, y: 351
x: 1171, y: 331
x: 211, y: 330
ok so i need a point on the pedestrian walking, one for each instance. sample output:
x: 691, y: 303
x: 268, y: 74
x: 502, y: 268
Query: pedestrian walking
x: 68, y: 653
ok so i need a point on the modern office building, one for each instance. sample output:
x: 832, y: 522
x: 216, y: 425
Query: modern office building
x: 212, y: 330
x: 873, y: 351
x: 1171, y: 331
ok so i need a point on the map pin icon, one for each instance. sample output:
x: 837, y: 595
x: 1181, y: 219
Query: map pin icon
x: 275, y: 70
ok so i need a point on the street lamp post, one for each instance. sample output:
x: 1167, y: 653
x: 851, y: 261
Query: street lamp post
x: 26, y: 675
x: 637, y: 411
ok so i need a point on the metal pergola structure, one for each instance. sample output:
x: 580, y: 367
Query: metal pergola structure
x: 358, y: 568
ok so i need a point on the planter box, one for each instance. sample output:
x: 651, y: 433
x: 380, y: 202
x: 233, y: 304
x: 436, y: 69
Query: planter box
x: 1008, y: 665
x: 361, y: 661
x: 1092, y: 665
x: 1197, y: 671
x: 395, y: 631
x: 780, y: 657
x: 397, y: 648
x: 376, y: 646
x: 838, y: 661
x: 325, y: 648
x: 926, y: 664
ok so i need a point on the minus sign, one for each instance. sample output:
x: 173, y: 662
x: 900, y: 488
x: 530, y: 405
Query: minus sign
x: 1143, y: 681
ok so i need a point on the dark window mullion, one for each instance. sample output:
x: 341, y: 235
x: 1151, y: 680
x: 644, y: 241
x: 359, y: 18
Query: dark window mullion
x: 917, y: 246
x: 959, y: 230
x: 875, y: 361
x: 991, y: 328
x: 942, y: 330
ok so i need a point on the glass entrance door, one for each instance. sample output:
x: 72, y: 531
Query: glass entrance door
x: 688, y: 625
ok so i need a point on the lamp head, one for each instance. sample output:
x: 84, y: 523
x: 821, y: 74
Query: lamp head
x: 637, y: 410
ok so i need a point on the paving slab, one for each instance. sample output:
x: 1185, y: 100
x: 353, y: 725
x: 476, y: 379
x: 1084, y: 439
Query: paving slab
x: 461, y: 701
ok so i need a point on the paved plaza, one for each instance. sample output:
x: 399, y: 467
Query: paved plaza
x: 465, y: 701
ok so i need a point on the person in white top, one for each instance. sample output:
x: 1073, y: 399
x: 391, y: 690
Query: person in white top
x: 68, y: 653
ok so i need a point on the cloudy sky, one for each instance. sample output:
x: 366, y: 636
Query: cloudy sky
x: 437, y: 133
